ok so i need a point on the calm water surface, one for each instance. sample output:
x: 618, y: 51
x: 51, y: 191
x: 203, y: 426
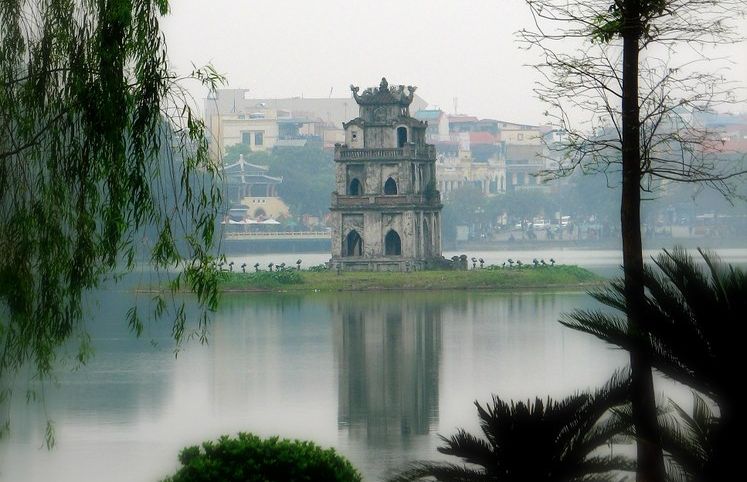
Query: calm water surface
x: 375, y: 375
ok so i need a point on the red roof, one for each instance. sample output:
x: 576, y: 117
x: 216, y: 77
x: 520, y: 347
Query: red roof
x: 481, y: 138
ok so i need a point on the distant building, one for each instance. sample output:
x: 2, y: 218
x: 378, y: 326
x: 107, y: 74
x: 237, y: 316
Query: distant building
x: 731, y: 129
x: 494, y: 156
x: 234, y: 117
x: 386, y: 209
x: 438, y: 125
x: 523, y: 162
x: 457, y: 172
x: 251, y: 192
x: 462, y: 123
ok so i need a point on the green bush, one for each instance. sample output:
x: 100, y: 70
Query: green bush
x: 276, y: 278
x: 318, y: 268
x: 249, y: 458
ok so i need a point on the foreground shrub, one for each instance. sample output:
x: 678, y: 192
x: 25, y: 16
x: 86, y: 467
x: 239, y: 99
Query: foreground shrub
x: 248, y: 458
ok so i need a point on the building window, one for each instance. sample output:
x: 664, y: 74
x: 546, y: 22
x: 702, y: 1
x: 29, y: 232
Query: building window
x: 520, y: 137
x: 401, y: 136
x: 353, y: 244
x: 390, y: 187
x: 259, y: 138
x: 355, y: 187
x: 246, y: 138
x: 392, y: 244
x: 354, y: 135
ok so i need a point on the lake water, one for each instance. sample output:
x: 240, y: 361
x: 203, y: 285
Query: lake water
x: 375, y: 375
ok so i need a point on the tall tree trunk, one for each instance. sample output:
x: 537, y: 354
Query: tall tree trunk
x: 649, y: 451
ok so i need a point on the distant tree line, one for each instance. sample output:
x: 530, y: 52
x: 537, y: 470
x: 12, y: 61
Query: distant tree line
x: 582, y: 197
x: 308, y: 180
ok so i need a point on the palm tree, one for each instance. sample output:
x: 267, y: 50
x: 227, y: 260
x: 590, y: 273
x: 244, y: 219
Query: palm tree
x: 689, y: 440
x: 539, y: 441
x: 695, y: 332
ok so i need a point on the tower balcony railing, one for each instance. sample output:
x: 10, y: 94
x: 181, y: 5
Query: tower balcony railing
x: 426, y: 152
x: 381, y: 200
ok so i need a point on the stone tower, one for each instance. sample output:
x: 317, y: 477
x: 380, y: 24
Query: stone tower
x: 386, y: 209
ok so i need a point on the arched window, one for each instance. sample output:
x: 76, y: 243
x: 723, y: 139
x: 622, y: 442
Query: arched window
x: 392, y: 244
x: 354, y: 189
x: 259, y: 213
x: 353, y: 244
x: 390, y: 186
x: 401, y: 136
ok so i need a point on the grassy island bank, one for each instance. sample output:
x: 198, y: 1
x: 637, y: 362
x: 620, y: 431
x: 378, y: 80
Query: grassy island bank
x: 571, y: 277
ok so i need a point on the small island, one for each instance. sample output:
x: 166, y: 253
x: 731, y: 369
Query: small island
x: 489, y: 278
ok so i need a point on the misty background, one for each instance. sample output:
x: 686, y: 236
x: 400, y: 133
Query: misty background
x: 466, y: 51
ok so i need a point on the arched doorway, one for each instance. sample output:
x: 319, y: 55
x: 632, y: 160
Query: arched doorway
x: 392, y: 244
x: 259, y: 213
x: 390, y: 186
x: 354, y: 189
x: 401, y: 136
x: 353, y: 244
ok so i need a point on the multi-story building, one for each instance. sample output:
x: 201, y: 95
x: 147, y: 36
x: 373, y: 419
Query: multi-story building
x: 495, y: 156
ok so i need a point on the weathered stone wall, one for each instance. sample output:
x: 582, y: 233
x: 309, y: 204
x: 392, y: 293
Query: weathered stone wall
x: 337, y: 234
x: 379, y: 113
x: 373, y: 178
x: 380, y: 136
x: 354, y: 136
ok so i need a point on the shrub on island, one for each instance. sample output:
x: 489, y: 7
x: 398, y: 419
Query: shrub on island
x: 271, y: 279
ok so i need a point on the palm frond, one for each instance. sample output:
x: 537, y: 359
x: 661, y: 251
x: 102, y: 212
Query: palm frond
x: 596, y: 423
x: 610, y: 328
x: 472, y: 449
x: 693, y: 322
x: 600, y: 465
x: 613, y: 295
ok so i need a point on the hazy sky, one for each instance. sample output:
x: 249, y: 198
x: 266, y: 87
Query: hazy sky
x: 448, y: 48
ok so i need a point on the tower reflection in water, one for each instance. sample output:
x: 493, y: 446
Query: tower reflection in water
x: 388, y: 350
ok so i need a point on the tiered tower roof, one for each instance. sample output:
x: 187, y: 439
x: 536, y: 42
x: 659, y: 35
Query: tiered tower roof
x: 385, y: 94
